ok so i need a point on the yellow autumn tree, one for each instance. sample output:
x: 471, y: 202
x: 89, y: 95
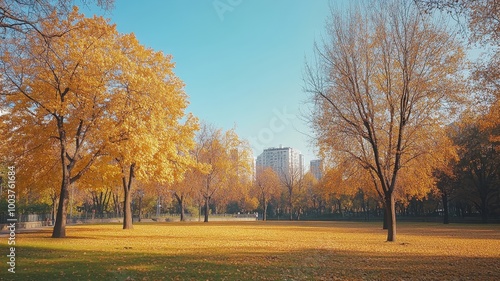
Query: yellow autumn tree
x: 382, y: 90
x: 305, y: 197
x: 267, y: 186
x: 227, y: 158
x: 343, y: 180
x: 186, y: 189
x: 57, y: 98
x: 149, y: 136
x: 99, y: 186
x: 93, y: 96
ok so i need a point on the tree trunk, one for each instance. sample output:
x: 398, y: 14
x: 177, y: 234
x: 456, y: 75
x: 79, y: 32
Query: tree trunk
x: 446, y: 219
x: 59, y: 230
x: 54, y: 209
x: 182, y: 211
x: 127, y: 187
x: 106, y: 201
x: 180, y: 200
x: 340, y: 207
x: 140, y: 208
x: 207, y: 199
x: 127, y: 210
x: 117, y: 206
x: 390, y: 207
x: 264, y: 215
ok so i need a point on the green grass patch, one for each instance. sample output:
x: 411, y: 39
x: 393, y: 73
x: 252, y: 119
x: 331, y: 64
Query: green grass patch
x: 259, y: 251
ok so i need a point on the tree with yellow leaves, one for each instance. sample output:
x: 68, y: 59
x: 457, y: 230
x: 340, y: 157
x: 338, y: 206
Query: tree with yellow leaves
x: 382, y: 89
x: 186, y: 189
x: 57, y: 98
x: 267, y: 186
x: 147, y: 138
x: 227, y: 157
x: 89, y: 96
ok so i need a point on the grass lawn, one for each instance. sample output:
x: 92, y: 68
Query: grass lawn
x: 258, y: 251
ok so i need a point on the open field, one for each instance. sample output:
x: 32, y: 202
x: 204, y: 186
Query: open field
x: 258, y: 251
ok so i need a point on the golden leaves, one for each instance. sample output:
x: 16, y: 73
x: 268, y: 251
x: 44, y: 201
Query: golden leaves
x: 270, y: 251
x: 103, y: 94
x: 385, y: 94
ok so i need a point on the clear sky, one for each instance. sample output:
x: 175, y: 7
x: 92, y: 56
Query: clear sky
x: 241, y: 60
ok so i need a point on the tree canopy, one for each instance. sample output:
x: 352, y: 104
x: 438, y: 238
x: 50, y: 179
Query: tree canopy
x: 93, y: 96
x: 384, y: 80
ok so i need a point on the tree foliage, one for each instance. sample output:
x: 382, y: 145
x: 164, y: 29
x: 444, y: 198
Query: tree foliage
x: 266, y: 187
x: 382, y: 88
x: 93, y: 96
x: 227, y: 157
x: 482, y: 19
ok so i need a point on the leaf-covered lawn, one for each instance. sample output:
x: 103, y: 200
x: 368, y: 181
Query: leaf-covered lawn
x: 259, y: 251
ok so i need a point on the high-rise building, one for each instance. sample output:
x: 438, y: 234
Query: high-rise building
x: 285, y: 161
x: 316, y: 168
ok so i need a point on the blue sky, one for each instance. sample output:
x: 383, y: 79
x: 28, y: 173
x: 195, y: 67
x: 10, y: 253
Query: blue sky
x: 241, y: 60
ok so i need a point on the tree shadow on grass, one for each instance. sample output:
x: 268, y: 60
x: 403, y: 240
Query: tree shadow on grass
x: 308, y: 264
x: 456, y: 232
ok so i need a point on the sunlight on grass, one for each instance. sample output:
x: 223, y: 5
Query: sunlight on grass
x: 261, y: 251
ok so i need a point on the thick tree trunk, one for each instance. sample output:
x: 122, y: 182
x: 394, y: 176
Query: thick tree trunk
x: 446, y: 219
x: 182, y: 211
x: 127, y: 190
x: 59, y: 230
x: 127, y: 210
x: 390, y: 207
x: 207, y: 199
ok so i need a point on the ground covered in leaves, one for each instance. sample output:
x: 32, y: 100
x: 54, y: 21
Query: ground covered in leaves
x: 258, y: 251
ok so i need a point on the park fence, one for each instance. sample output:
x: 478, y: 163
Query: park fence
x: 40, y: 220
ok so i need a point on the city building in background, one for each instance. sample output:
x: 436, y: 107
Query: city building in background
x: 285, y: 161
x: 316, y: 168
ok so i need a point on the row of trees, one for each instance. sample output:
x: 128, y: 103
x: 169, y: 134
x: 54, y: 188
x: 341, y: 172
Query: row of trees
x: 83, y: 101
x: 468, y: 186
x: 87, y: 105
x: 93, y: 109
